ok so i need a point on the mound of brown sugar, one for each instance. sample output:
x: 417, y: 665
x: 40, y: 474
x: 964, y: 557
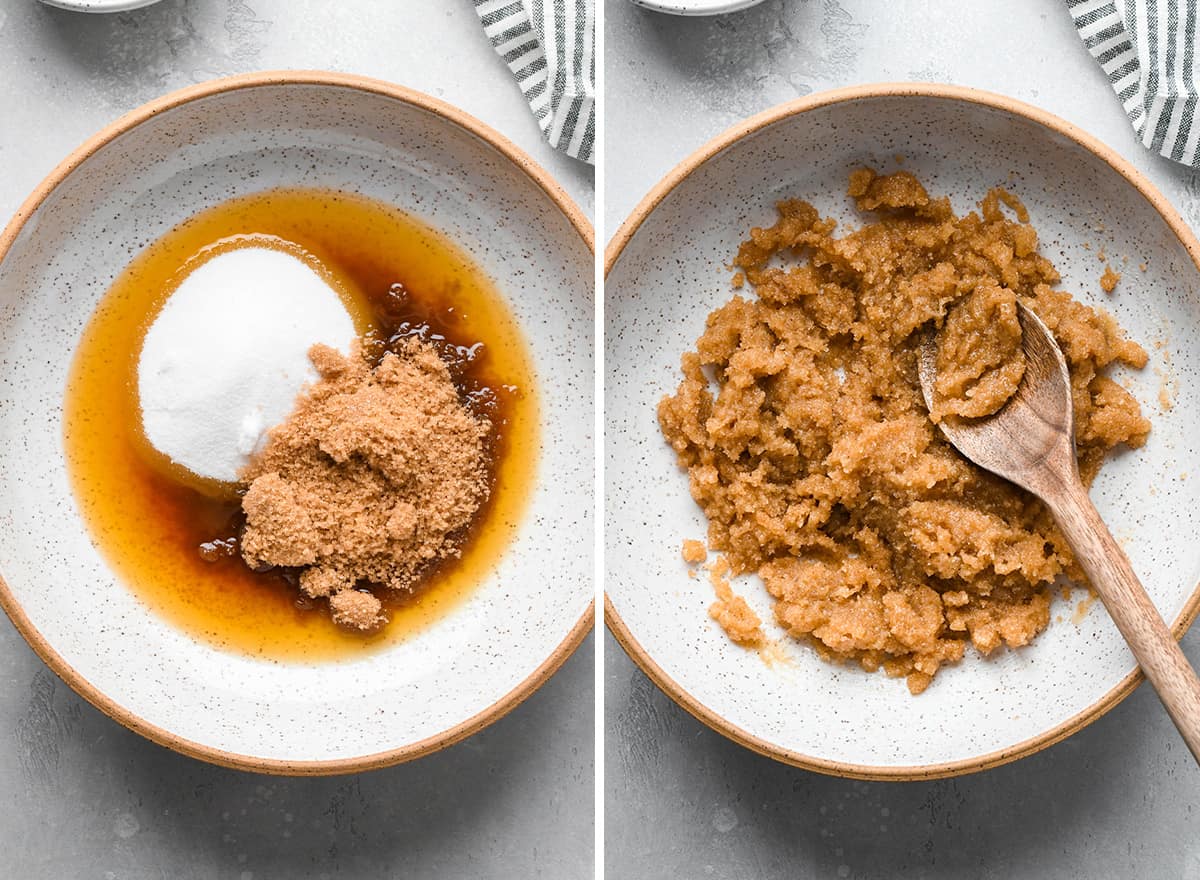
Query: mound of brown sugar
x: 373, y: 477
x: 807, y: 443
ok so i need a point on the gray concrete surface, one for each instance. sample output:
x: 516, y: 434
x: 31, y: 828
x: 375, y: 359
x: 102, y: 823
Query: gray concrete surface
x: 81, y: 797
x: 1118, y: 800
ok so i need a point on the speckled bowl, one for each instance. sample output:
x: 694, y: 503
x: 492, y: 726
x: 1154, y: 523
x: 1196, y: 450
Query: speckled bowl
x: 666, y: 271
x: 125, y: 188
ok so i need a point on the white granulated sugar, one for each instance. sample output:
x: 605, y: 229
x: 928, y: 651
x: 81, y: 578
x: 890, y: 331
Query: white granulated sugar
x: 227, y: 356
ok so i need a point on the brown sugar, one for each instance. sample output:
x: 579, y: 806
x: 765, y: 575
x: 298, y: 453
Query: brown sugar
x: 356, y: 609
x: 979, y: 359
x: 731, y: 611
x: 807, y: 443
x: 694, y: 551
x: 373, y: 477
x: 1109, y: 280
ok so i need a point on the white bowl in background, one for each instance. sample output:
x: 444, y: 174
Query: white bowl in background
x: 99, y: 5
x: 696, y: 7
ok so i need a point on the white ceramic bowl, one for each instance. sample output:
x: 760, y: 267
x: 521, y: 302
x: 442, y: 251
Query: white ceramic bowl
x: 125, y: 188
x: 99, y: 5
x: 666, y: 271
x: 696, y: 7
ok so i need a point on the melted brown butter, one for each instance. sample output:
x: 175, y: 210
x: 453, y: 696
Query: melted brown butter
x: 172, y: 538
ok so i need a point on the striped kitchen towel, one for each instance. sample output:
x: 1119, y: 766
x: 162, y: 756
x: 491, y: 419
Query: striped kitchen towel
x: 549, y: 45
x: 1148, y: 50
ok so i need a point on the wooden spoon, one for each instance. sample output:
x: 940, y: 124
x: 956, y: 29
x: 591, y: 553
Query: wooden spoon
x: 1031, y: 442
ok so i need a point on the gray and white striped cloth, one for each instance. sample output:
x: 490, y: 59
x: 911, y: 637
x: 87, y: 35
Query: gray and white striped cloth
x: 550, y: 46
x: 1148, y: 50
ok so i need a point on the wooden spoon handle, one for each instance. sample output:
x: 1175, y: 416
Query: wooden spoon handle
x: 1123, y: 595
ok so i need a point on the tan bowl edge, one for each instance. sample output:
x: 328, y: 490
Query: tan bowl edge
x: 613, y: 252
x: 83, y: 687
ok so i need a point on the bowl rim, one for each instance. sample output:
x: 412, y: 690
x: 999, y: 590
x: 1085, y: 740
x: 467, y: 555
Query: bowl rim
x: 709, y: 7
x: 125, y: 716
x: 99, y: 6
x: 625, y: 234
